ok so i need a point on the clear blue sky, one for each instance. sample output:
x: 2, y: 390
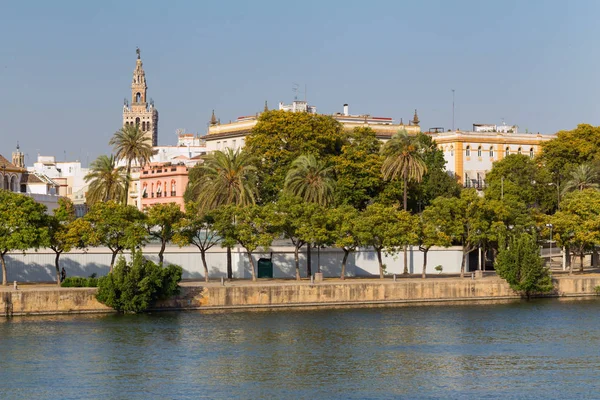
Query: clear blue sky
x: 65, y: 66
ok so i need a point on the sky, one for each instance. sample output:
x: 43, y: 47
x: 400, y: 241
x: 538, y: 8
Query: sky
x: 66, y: 66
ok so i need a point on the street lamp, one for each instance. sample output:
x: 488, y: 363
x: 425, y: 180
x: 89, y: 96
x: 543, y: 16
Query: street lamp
x: 550, y: 226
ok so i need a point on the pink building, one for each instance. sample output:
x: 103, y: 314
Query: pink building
x: 163, y: 183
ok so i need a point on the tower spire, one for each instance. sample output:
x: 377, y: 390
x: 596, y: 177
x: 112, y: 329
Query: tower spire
x: 415, y: 120
x: 266, y: 107
x: 213, y: 118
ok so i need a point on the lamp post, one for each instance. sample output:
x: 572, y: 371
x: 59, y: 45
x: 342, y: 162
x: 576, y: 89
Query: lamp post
x: 550, y: 226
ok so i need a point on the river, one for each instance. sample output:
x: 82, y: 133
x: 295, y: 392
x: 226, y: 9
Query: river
x: 537, y: 349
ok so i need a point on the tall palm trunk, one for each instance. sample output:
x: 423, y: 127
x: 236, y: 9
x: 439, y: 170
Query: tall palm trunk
x: 405, y: 181
x: 229, y: 268
x: 127, y: 179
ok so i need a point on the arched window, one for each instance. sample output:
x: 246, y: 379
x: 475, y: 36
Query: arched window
x: 13, y: 184
x: 519, y: 150
x: 468, y: 151
x: 173, y: 188
x: 479, y: 151
x: 152, y: 190
x: 531, y: 152
x: 138, y: 97
x: 159, y: 190
x: 145, y: 191
x: 137, y: 121
x: 491, y: 151
x: 507, y: 152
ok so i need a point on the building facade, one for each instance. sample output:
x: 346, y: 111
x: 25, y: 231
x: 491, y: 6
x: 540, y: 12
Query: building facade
x: 163, y: 183
x: 141, y: 112
x: 470, y: 155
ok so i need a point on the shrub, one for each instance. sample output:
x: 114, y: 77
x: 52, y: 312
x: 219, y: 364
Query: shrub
x: 522, y: 267
x: 78, y: 281
x: 597, y: 290
x: 439, y: 268
x: 136, y: 286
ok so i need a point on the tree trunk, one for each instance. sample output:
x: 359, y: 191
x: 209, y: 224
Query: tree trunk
x: 405, y: 260
x: 378, y: 250
x: 203, y: 255
x: 127, y: 178
x: 229, y: 269
x: 4, y: 278
x: 343, y: 274
x: 112, y: 261
x: 308, y: 261
x: 405, y: 181
x: 251, y: 266
x: 297, y: 260
x: 424, y: 274
x: 581, y: 258
x: 57, y: 255
x: 463, y: 262
x: 163, y: 244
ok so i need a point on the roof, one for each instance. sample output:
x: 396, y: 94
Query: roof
x: 4, y: 163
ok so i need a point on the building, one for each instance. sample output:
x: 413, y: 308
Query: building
x: 233, y: 134
x: 470, y: 155
x: 12, y: 173
x: 141, y: 112
x: 163, y: 183
x: 69, y: 175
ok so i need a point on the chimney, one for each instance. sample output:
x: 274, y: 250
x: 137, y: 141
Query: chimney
x: 346, y: 110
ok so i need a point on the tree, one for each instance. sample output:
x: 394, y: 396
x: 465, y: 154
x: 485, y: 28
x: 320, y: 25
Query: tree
x: 520, y: 178
x: 295, y: 222
x: 198, y: 229
x: 584, y: 176
x: 404, y: 160
x: 344, y: 228
x: 520, y: 264
x: 116, y: 226
x: 161, y: 221
x: 358, y: 169
x: 571, y: 148
x: 280, y: 137
x: 251, y: 226
x: 22, y: 225
x: 577, y: 223
x: 225, y: 177
x: 132, y: 145
x: 385, y: 228
x: 136, y: 286
x: 62, y: 232
x: 430, y: 234
x: 106, y: 181
x: 311, y: 180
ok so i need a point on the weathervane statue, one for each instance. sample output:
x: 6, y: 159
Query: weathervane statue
x: 137, y: 51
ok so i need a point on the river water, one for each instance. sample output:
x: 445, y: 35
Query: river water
x: 537, y: 349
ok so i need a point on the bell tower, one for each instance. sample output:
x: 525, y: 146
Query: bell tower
x: 18, y: 158
x: 141, y: 112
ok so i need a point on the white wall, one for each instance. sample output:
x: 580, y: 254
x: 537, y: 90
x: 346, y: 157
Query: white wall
x: 39, y: 266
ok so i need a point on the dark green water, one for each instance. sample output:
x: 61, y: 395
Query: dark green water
x: 537, y: 349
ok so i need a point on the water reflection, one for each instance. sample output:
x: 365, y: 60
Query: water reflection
x: 536, y: 349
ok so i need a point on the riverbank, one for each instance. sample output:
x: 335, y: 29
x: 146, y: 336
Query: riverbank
x: 244, y: 295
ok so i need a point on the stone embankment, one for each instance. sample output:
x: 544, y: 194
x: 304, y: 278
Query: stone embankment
x: 39, y: 299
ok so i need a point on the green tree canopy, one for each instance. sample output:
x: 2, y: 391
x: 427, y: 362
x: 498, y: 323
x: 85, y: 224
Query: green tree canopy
x: 344, y: 223
x: 310, y: 179
x: 521, y: 178
x: 161, y: 221
x: 22, y: 225
x: 115, y: 226
x: 63, y: 236
x: 358, y: 169
x: 430, y: 234
x: 584, y: 176
x: 571, y: 148
x: 280, y: 137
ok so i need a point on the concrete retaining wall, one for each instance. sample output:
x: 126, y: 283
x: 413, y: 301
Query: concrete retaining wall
x: 241, y: 295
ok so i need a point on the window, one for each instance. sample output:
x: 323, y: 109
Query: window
x: 138, y: 97
x: 224, y: 144
x: 234, y: 144
x: 159, y: 191
x: 173, y: 189
x: 507, y: 153
x: 452, y: 151
x: 218, y: 145
x: 519, y: 150
x: 531, y: 152
x: 479, y: 151
x: 468, y: 151
x: 491, y: 151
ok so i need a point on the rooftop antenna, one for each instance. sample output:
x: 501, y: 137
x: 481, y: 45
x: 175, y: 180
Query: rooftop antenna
x: 453, y: 110
x: 295, y: 90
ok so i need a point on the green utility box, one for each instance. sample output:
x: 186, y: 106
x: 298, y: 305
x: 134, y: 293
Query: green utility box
x: 265, y: 268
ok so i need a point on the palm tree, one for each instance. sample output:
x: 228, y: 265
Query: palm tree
x: 310, y: 179
x: 403, y: 158
x: 106, y: 180
x: 225, y: 177
x: 131, y: 144
x: 585, y: 176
